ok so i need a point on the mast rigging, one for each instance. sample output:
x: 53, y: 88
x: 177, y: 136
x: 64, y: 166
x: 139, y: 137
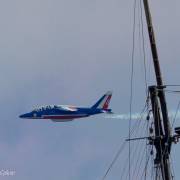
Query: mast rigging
x: 163, y: 137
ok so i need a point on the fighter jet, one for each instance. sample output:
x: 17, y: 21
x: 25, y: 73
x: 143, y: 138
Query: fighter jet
x: 64, y: 113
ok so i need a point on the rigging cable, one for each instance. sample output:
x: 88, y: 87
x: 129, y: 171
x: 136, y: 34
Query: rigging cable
x: 172, y: 85
x: 117, y: 155
x: 131, y: 89
x: 135, y: 152
x: 174, y: 119
x: 176, y: 114
x: 131, y: 85
x: 138, y: 153
x: 171, y: 91
x: 173, y: 171
x: 135, y: 155
x: 114, y: 160
x: 140, y: 163
x: 146, y: 166
x: 137, y: 124
x: 143, y: 43
x: 145, y: 69
x: 135, y: 134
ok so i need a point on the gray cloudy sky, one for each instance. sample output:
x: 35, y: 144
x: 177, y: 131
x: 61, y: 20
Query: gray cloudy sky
x: 71, y: 52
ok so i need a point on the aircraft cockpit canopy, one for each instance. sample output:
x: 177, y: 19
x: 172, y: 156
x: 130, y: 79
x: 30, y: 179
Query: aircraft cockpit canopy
x: 42, y: 108
x: 64, y: 107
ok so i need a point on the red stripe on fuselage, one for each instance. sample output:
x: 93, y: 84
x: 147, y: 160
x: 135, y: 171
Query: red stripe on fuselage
x: 64, y: 117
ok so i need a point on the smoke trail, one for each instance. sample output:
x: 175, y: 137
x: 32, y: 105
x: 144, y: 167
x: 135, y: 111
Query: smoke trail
x: 123, y: 116
x: 136, y: 116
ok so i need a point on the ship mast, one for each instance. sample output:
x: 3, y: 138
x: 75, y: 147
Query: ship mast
x: 162, y: 129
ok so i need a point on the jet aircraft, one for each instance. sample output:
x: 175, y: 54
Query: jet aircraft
x: 63, y: 113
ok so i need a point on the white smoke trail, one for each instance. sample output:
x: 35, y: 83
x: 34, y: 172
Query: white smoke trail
x: 136, y: 116
x: 123, y: 116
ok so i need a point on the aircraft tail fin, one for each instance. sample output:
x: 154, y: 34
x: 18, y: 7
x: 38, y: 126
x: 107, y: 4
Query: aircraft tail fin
x: 103, y: 102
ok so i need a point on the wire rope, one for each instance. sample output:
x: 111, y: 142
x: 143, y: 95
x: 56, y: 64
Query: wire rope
x: 131, y: 84
x: 134, y: 128
x: 124, y: 143
x: 143, y: 44
x: 175, y: 116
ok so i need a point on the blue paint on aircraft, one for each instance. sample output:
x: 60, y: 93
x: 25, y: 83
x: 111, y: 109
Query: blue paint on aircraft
x: 63, y: 113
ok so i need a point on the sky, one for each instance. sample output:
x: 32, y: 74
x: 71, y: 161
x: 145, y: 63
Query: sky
x: 72, y: 52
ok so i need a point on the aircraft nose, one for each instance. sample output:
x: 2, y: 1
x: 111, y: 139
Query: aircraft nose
x: 23, y: 116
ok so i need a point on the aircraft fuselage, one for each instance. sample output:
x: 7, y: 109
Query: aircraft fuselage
x: 61, y: 113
